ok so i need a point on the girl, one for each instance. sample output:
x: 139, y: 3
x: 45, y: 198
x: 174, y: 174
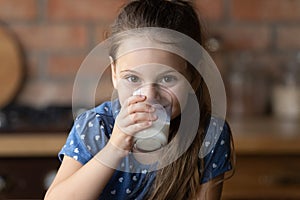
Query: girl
x: 99, y: 160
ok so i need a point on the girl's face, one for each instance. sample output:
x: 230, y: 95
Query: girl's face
x: 152, y: 67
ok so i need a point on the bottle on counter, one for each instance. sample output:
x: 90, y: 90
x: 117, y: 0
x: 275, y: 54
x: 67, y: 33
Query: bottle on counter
x: 286, y: 91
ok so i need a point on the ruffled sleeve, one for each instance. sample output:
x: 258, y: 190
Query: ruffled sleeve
x: 86, y: 138
x: 75, y: 148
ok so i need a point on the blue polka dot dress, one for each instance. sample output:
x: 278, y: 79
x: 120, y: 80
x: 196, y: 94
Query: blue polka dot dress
x: 132, y: 180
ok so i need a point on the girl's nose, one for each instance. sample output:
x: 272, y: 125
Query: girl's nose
x: 155, y: 93
x: 151, y: 92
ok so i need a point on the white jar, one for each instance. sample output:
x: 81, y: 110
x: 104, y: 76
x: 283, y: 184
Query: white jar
x: 286, y: 93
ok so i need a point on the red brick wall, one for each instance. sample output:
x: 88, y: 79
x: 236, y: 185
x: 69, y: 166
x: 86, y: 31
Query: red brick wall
x: 58, y: 34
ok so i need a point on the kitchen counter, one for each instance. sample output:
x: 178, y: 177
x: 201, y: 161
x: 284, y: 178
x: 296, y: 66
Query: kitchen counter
x: 252, y: 136
x: 266, y: 136
x: 31, y: 145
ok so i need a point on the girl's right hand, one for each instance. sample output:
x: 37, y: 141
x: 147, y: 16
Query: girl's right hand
x: 134, y: 116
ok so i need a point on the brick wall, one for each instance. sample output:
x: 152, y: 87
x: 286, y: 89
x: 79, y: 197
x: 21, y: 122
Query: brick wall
x: 58, y: 34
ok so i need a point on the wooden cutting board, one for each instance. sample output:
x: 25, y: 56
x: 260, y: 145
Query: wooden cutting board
x: 11, y: 66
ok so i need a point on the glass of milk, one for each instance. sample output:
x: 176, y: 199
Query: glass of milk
x: 156, y: 136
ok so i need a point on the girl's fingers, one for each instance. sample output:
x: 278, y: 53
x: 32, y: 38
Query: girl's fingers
x: 123, y: 138
x: 140, y: 107
x: 136, y: 118
x: 135, y: 99
x: 137, y: 127
x: 141, y: 117
x: 136, y: 104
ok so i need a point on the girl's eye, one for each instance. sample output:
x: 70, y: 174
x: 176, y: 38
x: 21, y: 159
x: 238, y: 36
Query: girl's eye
x: 133, y: 78
x: 168, y: 79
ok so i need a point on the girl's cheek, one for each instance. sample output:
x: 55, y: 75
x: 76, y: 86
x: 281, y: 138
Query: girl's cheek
x: 180, y: 93
x: 179, y: 103
x: 125, y: 90
x: 123, y: 95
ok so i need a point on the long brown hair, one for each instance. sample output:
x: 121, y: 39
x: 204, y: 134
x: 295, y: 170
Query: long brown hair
x: 181, y: 179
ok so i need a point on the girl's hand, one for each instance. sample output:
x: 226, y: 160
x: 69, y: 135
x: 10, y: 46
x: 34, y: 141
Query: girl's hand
x: 135, y: 115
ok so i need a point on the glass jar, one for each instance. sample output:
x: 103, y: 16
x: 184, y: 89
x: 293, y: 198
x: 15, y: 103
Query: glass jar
x: 286, y: 91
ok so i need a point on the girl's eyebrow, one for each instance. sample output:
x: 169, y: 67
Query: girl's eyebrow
x: 170, y: 71
x: 129, y: 71
x: 163, y: 72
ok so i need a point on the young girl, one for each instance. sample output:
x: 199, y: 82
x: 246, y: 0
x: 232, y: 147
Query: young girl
x: 100, y: 159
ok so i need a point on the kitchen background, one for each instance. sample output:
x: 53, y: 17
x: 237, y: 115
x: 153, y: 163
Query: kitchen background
x: 255, y: 44
x: 252, y: 40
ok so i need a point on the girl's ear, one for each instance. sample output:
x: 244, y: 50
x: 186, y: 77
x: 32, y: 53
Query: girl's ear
x: 113, y: 72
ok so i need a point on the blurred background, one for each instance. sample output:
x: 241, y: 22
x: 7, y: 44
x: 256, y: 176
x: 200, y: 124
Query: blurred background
x: 255, y: 44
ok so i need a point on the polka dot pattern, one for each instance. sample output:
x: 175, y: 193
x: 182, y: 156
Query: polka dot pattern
x: 92, y: 130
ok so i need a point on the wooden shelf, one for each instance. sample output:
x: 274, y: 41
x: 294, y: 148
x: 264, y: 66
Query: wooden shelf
x: 31, y: 145
x: 266, y: 136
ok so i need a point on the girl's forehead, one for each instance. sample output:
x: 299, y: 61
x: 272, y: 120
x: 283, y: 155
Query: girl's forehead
x: 146, y: 57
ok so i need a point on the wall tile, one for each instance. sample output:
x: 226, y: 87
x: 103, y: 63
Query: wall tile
x: 88, y: 10
x: 52, y: 37
x: 18, y: 10
x: 266, y: 10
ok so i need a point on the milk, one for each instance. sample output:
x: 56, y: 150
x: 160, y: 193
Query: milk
x: 156, y: 136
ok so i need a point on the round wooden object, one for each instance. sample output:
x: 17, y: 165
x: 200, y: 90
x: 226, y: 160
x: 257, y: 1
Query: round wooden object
x: 11, y: 67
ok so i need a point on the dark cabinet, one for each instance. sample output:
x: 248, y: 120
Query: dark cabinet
x: 28, y: 163
x: 267, y: 162
x: 26, y: 177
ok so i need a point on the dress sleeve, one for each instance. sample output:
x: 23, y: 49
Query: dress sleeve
x: 87, y: 136
x: 218, y: 162
x: 75, y: 148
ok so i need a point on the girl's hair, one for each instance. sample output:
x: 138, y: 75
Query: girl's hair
x: 181, y: 179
